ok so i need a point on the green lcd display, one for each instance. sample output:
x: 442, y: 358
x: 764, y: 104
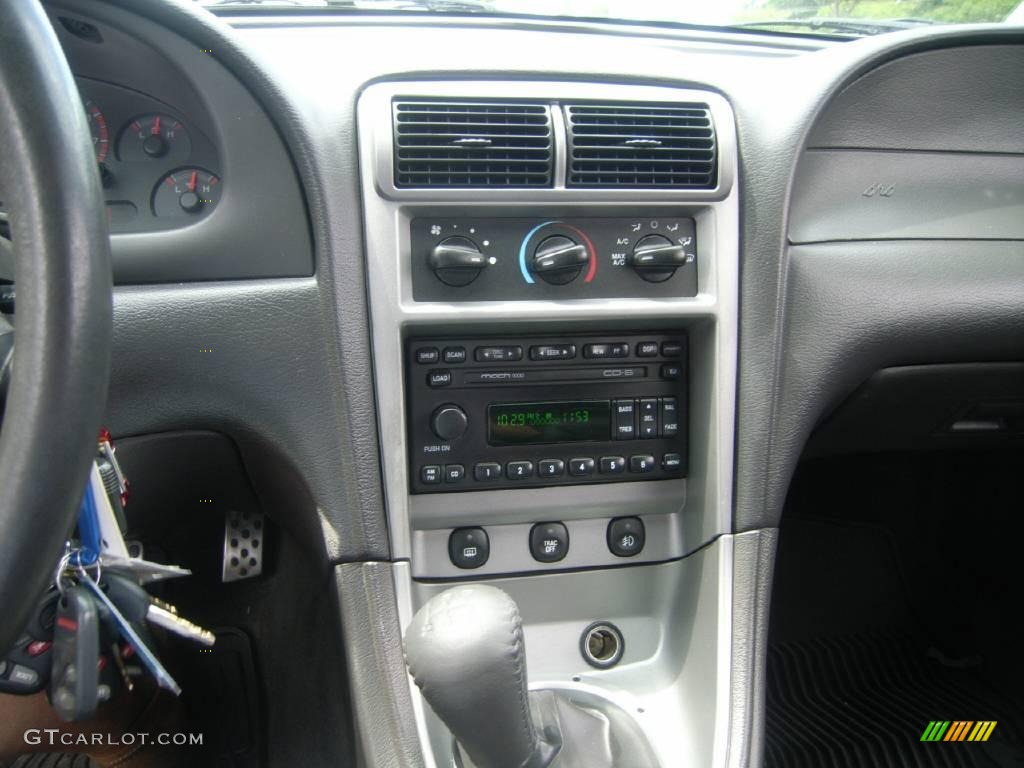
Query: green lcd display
x: 533, y: 423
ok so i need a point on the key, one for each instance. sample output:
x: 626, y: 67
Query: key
x: 138, y: 605
x: 74, y: 681
x: 128, y: 632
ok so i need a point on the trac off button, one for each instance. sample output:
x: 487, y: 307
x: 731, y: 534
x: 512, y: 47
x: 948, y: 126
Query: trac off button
x: 549, y: 542
x: 626, y: 536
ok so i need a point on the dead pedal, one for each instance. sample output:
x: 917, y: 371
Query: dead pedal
x: 243, y: 545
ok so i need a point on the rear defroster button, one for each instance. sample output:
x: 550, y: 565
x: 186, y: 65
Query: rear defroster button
x: 469, y: 547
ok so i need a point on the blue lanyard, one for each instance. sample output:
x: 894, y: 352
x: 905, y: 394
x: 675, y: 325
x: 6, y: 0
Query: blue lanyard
x: 88, y: 529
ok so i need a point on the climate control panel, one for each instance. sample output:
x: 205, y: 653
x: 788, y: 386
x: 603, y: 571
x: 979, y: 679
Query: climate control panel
x: 480, y: 259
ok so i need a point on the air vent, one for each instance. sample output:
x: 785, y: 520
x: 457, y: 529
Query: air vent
x: 448, y: 144
x: 627, y: 145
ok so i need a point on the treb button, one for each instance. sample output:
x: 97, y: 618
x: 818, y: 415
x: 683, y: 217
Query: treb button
x: 625, y: 419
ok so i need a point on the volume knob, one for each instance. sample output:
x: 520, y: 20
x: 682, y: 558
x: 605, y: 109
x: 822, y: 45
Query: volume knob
x: 449, y: 422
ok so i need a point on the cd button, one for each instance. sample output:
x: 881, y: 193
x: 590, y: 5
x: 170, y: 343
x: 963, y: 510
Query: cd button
x: 454, y: 473
x: 647, y: 349
x: 641, y: 464
x: 487, y: 470
x: 550, y: 468
x: 613, y: 465
x: 519, y: 470
x: 581, y: 467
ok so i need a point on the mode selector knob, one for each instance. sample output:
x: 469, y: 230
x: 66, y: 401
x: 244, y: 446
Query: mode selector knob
x: 656, y: 258
x: 457, y: 261
x: 559, y: 259
x: 449, y: 422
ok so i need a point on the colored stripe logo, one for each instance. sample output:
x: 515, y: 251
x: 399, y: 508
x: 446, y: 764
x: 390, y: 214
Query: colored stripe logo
x: 958, y: 730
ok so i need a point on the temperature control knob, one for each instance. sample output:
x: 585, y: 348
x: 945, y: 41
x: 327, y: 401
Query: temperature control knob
x: 457, y: 261
x: 559, y: 260
x: 449, y: 422
x: 656, y: 258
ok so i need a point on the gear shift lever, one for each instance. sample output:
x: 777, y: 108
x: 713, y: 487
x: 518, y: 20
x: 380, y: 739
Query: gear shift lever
x: 465, y: 651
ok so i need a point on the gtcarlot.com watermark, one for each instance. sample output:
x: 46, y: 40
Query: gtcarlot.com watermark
x: 54, y: 737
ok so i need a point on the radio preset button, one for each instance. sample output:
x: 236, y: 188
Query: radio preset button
x: 671, y: 349
x: 449, y: 422
x: 469, y: 547
x: 669, y: 417
x: 549, y: 542
x: 498, y: 354
x: 426, y: 355
x: 671, y: 462
x: 439, y: 378
x: 487, y: 470
x: 519, y: 470
x: 641, y: 464
x: 455, y: 355
x: 647, y: 349
x: 648, y: 417
x: 553, y: 352
x: 625, y: 419
x: 550, y: 468
x: 671, y: 371
x: 612, y: 465
x: 431, y: 474
x: 454, y: 473
x: 581, y: 467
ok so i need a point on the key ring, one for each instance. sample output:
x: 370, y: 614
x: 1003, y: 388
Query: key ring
x: 63, y: 565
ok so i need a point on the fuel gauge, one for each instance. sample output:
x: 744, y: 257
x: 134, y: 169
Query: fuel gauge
x: 154, y: 136
x: 189, y: 191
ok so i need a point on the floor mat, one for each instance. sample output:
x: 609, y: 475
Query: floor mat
x: 48, y: 760
x: 865, y: 700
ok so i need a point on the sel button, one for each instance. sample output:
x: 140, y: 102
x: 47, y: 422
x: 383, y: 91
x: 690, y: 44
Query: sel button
x: 649, y: 417
x: 549, y: 542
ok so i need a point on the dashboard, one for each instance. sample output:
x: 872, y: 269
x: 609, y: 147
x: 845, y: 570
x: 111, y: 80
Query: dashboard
x: 562, y: 324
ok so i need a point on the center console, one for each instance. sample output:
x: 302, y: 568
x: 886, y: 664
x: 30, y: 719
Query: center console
x: 553, y: 295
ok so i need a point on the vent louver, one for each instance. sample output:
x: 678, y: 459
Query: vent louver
x: 453, y: 144
x: 639, y: 145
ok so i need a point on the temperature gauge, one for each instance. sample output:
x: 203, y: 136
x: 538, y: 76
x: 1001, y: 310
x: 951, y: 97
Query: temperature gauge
x: 97, y: 129
x: 154, y: 136
x: 189, y: 191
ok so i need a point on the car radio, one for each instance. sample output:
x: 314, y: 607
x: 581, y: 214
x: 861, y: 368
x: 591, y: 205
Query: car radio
x: 530, y: 411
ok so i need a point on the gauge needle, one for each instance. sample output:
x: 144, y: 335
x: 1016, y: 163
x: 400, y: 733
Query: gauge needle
x: 156, y: 126
x: 192, y: 182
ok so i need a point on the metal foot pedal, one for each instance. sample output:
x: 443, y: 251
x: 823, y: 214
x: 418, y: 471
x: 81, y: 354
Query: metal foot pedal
x: 243, y: 545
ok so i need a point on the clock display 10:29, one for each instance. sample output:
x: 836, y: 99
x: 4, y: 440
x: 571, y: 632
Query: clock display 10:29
x: 548, y: 422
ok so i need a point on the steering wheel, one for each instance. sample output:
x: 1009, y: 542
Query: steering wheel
x: 63, y: 323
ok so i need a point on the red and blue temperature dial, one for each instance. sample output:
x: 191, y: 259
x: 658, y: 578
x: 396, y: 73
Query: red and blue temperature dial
x: 557, y: 253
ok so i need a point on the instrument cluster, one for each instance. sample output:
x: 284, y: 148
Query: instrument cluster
x: 158, y: 169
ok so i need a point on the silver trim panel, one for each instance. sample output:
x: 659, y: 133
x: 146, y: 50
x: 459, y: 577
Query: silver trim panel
x: 710, y: 317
